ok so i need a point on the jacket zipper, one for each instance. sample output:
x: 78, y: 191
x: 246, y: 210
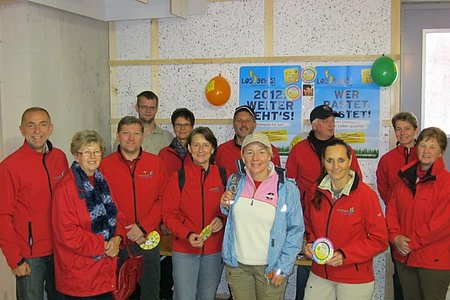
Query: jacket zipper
x: 48, y: 175
x: 202, y: 183
x: 30, y: 237
x: 328, y: 224
x: 134, y: 195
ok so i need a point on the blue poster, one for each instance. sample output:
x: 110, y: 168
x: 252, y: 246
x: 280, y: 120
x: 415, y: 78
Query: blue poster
x: 351, y: 91
x: 275, y: 93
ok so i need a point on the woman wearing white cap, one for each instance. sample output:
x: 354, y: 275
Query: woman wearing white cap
x: 264, y: 228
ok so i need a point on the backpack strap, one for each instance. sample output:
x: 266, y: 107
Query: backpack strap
x: 182, y: 177
x: 223, y: 176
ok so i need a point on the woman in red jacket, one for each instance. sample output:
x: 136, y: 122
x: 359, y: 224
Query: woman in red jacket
x: 87, y: 226
x: 418, y: 220
x: 176, y: 155
x: 191, y: 212
x: 347, y: 212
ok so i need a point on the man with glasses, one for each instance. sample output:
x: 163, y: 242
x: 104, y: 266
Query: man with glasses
x: 155, y: 138
x: 27, y: 179
x: 137, y: 180
x: 244, y: 123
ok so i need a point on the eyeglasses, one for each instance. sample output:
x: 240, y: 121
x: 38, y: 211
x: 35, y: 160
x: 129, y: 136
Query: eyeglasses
x: 87, y: 153
x: 144, y: 107
x: 181, y: 126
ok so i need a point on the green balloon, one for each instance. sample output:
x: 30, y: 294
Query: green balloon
x: 384, y: 71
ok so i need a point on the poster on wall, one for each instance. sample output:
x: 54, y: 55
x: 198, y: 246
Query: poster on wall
x: 351, y: 91
x: 275, y: 94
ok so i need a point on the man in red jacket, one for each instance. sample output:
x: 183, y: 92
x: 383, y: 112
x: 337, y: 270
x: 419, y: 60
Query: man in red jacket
x: 137, y: 180
x: 27, y: 179
x: 244, y: 123
x: 304, y: 165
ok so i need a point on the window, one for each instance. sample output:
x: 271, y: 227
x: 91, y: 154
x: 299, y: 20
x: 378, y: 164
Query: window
x: 436, y: 79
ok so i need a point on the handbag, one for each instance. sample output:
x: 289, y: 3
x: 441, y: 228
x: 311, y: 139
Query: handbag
x: 128, y: 276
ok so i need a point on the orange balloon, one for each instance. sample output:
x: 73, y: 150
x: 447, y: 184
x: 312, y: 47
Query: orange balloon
x: 218, y: 91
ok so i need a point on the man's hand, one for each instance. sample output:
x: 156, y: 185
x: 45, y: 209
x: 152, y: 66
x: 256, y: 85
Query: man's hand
x: 22, y: 270
x: 134, y: 233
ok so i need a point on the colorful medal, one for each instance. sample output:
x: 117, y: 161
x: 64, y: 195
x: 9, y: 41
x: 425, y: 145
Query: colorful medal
x: 152, y: 241
x: 323, y: 250
x: 206, y: 233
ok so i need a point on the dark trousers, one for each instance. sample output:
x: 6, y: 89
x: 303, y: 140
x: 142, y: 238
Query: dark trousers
x: 398, y: 293
x: 166, y: 281
x: 423, y: 284
x: 149, y: 282
x: 302, y: 278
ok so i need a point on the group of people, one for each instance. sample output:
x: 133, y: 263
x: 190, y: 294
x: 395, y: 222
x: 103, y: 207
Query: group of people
x: 66, y: 230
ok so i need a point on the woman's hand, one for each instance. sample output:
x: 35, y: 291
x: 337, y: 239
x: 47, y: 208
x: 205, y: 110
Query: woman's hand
x: 195, y: 240
x: 277, y: 280
x: 227, y: 199
x: 308, y: 250
x: 216, y: 225
x: 112, y: 246
x: 337, y: 260
x: 401, y: 243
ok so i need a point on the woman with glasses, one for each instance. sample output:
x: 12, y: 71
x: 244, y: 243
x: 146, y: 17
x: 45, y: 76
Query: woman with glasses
x: 191, y: 212
x: 176, y: 155
x: 87, y: 226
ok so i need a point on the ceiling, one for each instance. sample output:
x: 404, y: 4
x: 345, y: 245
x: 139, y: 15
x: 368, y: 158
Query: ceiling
x: 114, y: 10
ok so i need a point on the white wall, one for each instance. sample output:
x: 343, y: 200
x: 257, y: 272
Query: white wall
x: 56, y: 60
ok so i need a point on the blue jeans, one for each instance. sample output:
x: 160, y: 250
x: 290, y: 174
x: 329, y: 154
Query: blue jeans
x: 42, y: 277
x: 196, y: 276
x: 302, y: 278
x: 149, y: 282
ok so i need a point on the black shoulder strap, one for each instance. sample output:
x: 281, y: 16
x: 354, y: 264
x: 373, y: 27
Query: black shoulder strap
x: 223, y: 176
x: 181, y: 179
x: 280, y: 171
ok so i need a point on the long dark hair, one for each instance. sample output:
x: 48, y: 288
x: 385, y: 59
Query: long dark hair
x: 317, y: 200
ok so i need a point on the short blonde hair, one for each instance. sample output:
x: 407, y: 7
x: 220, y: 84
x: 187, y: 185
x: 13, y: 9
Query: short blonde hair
x: 86, y: 137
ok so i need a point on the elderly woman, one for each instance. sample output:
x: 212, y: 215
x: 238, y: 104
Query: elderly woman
x: 418, y: 220
x: 191, y: 212
x: 264, y: 228
x: 87, y: 229
x: 347, y: 212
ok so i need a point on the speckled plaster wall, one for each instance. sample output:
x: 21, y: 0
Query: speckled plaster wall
x: 236, y: 29
x: 340, y: 27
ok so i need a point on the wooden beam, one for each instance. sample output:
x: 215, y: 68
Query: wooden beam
x: 197, y: 121
x: 238, y: 60
x: 268, y: 27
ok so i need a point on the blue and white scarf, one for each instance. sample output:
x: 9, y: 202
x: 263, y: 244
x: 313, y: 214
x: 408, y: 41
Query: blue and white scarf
x: 102, y: 210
